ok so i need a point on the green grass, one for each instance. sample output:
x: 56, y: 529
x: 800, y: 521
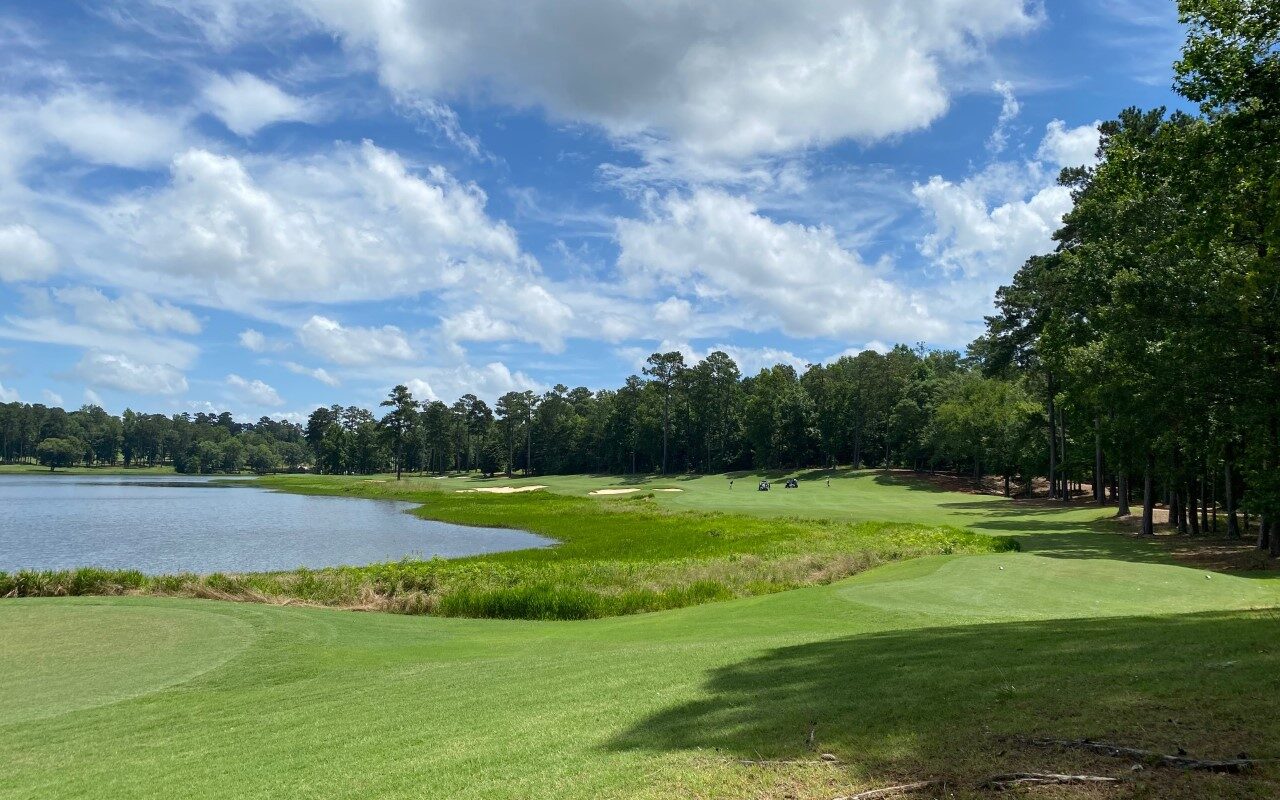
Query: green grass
x: 919, y: 668
x: 22, y: 469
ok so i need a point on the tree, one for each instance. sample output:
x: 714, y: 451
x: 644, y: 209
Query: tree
x: 58, y: 452
x: 665, y: 368
x: 400, y: 420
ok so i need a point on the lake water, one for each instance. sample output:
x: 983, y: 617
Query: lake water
x: 190, y: 524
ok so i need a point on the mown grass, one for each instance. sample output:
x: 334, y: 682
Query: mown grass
x: 928, y: 668
x: 613, y: 557
x: 22, y: 469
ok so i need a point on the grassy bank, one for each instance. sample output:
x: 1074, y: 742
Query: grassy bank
x: 24, y: 469
x: 613, y: 557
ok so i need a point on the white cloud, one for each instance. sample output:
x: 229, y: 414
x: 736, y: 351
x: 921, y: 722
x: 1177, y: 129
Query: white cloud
x: 718, y: 78
x: 719, y: 249
x: 512, y: 311
x: 50, y: 329
x: 1009, y: 110
x: 24, y: 254
x: 356, y: 224
x: 253, y: 391
x: 114, y: 371
x: 319, y: 373
x: 1069, y: 147
x: 989, y: 223
x: 105, y: 131
x: 421, y: 390
x: 127, y: 312
x: 51, y: 398
x: 978, y: 238
x: 8, y: 395
x: 246, y: 103
x: 487, y: 382
x: 355, y: 345
x: 93, y: 398
x: 251, y: 339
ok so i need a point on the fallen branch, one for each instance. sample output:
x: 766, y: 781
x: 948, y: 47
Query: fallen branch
x: 890, y: 791
x: 1015, y: 779
x: 826, y: 759
x: 1232, y: 765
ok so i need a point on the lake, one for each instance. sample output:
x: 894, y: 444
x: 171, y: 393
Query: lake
x: 191, y: 524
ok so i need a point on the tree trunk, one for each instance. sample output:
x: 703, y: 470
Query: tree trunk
x: 1053, y: 442
x: 1062, y: 455
x: 1201, y: 492
x: 1229, y: 492
x: 1099, y: 489
x: 1192, y: 508
x: 1123, y: 494
x: 1148, y: 495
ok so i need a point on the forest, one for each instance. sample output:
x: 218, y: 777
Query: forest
x: 1140, y: 358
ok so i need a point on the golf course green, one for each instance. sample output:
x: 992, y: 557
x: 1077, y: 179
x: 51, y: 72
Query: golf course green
x: 924, y: 668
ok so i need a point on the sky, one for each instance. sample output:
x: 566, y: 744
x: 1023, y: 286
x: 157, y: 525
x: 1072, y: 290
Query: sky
x: 263, y: 207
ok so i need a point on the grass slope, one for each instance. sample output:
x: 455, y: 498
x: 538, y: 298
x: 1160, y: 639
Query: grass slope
x: 919, y: 668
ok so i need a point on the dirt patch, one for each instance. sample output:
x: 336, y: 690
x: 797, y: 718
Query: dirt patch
x: 502, y: 489
x: 613, y: 491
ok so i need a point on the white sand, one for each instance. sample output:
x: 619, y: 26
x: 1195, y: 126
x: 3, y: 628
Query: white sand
x: 668, y: 490
x: 502, y: 489
x: 614, y: 491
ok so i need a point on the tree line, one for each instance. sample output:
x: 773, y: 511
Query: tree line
x: 909, y: 407
x: 190, y: 443
x: 1152, y: 327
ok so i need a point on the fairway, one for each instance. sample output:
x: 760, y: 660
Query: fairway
x: 916, y: 669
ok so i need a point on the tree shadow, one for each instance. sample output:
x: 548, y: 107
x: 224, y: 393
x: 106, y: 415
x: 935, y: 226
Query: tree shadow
x: 944, y: 702
x: 909, y: 481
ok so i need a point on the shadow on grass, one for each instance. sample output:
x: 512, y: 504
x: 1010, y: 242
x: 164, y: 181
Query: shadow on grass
x: 942, y: 702
x: 909, y: 481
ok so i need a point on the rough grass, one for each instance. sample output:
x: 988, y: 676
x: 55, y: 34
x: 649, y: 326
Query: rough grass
x: 614, y: 557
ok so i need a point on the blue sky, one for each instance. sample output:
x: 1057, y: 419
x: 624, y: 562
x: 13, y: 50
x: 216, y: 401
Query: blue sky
x: 264, y: 207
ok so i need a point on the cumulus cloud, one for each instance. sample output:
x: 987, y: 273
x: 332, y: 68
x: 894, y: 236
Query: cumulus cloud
x: 355, y: 224
x: 718, y: 248
x: 254, y: 391
x: 115, y: 371
x: 976, y: 237
x: 251, y: 339
x: 246, y: 103
x: 355, y: 345
x: 987, y: 224
x: 127, y: 312
x: 1069, y: 147
x: 487, y: 382
x: 8, y: 395
x: 513, y: 311
x: 51, y: 397
x: 716, y: 78
x: 319, y: 373
x: 25, y: 255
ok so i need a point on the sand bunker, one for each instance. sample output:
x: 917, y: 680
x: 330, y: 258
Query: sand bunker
x: 614, y: 491
x: 668, y: 490
x: 502, y: 489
